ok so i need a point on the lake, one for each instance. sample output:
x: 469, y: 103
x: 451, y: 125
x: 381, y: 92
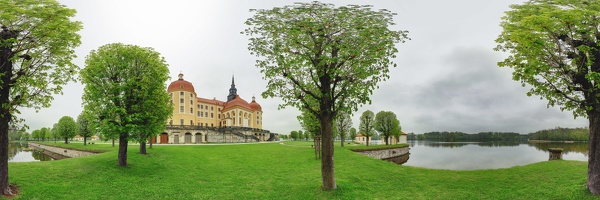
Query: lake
x: 487, y: 155
x: 17, y: 153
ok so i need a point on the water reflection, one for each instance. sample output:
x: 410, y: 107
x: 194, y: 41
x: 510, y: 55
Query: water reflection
x: 487, y: 155
x: 20, y: 152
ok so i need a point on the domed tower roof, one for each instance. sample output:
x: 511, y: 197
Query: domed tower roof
x: 237, y: 101
x: 255, y: 106
x: 181, y: 85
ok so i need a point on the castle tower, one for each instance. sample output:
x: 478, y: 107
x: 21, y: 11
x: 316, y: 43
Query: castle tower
x: 232, y: 90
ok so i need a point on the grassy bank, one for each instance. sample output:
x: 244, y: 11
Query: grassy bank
x: 281, y: 171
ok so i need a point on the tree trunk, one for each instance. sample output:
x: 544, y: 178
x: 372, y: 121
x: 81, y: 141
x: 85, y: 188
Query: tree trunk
x: 151, y: 142
x: 6, y: 73
x: 66, y: 140
x: 327, y: 168
x: 367, y: 139
x: 387, y: 138
x: 122, y: 150
x: 342, y: 138
x: 84, y: 141
x: 4, y: 154
x: 142, y: 147
x: 593, y: 182
x: 113, y: 142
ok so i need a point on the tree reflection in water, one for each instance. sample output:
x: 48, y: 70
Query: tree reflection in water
x: 17, y: 148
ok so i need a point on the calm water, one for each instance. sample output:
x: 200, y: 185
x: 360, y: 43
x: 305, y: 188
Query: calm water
x: 468, y: 156
x: 16, y: 153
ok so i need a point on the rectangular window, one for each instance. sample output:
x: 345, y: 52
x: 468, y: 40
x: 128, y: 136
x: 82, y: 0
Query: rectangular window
x: 212, y: 115
x: 181, y: 121
x: 191, y: 95
x: 180, y: 93
x: 199, y: 113
x: 181, y: 109
x: 192, y: 111
x: 201, y: 106
x: 192, y: 102
x: 219, y: 116
x: 180, y: 100
x: 211, y: 108
x: 206, y: 114
x: 198, y: 106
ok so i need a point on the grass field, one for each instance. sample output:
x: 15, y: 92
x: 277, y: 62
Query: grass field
x: 280, y: 171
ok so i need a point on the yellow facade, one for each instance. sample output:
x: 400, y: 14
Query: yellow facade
x: 189, y: 109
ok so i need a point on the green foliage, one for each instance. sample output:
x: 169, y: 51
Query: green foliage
x: 554, y: 47
x: 42, y: 41
x: 84, y: 124
x: 343, y: 123
x: 367, y: 124
x: 562, y: 134
x: 54, y: 131
x: 67, y: 128
x: 387, y: 124
x: 26, y: 136
x: 294, y: 135
x: 309, y: 122
x: 45, y: 133
x: 323, y: 59
x: 125, y: 91
x: 35, y: 134
x: 305, y: 42
x: 352, y: 133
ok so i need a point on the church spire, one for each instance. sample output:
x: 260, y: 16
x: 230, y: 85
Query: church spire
x: 232, y: 90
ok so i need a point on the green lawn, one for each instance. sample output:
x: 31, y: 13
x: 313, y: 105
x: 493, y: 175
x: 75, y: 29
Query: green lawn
x: 280, y: 171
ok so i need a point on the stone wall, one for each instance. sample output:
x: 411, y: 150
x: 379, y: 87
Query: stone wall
x: 386, y: 153
x: 61, y: 151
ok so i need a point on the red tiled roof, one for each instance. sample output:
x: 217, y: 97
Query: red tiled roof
x: 237, y: 101
x: 181, y: 85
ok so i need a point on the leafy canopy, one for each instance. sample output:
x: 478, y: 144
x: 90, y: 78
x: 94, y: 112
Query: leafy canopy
x: 367, y: 123
x: 125, y: 91
x: 554, y: 46
x: 67, y: 127
x: 41, y: 37
x: 316, y: 51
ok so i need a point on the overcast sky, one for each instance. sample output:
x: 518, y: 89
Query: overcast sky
x: 447, y: 78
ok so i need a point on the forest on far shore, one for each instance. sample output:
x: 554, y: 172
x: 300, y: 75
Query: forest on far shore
x: 556, y: 134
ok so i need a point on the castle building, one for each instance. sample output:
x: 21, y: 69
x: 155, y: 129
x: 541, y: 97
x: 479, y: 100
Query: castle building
x: 201, y: 120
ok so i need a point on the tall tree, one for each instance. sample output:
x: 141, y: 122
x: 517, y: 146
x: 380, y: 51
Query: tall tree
x: 44, y: 133
x: 333, y: 56
x: 125, y: 90
x: 387, y: 124
x: 35, y: 134
x: 37, y: 39
x: 294, y: 135
x: 26, y: 136
x: 310, y: 123
x: 54, y: 131
x: 367, y: 124
x: 554, y: 47
x: 85, y: 128
x: 352, y: 133
x: 67, y: 128
x: 343, y: 124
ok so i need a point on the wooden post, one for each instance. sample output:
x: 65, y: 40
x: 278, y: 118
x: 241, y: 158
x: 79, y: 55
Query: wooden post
x: 555, y: 153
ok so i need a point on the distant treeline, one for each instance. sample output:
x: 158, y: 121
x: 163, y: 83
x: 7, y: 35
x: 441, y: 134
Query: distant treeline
x: 460, y: 136
x: 562, y: 134
x: 556, y: 134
